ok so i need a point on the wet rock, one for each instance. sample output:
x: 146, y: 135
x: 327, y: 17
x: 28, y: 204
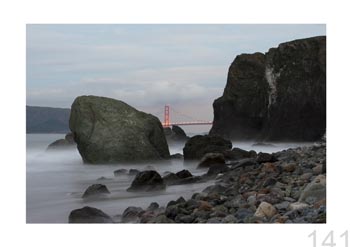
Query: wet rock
x: 96, y: 191
x: 153, y: 206
x: 211, y: 159
x: 265, y: 210
x: 89, y: 215
x: 265, y: 157
x: 269, y: 182
x: 282, y: 206
x: 269, y: 168
x: 229, y: 219
x: 314, y: 191
x: 131, y: 215
x: 149, y: 168
x: 63, y: 144
x: 251, y: 200
x: 170, y: 178
x: 178, y: 201
x: 205, y: 206
x: 175, y: 134
x: 317, y: 169
x: 214, y: 220
x: 217, y: 168
x: 243, y: 213
x: 110, y: 131
x: 217, y: 188
x: 172, y: 211
x: 183, y: 174
x: 237, y: 154
x: 161, y: 219
x: 147, y: 181
x: 120, y: 172
x: 297, y: 206
x: 197, y: 146
x: 184, y: 218
x: 306, y: 176
x: 291, y: 167
x: 182, y: 177
x: 133, y: 172
x: 235, y: 202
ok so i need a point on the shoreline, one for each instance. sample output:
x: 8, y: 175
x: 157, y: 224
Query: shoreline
x: 270, y: 192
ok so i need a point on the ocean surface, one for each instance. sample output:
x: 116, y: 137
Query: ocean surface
x: 55, y: 181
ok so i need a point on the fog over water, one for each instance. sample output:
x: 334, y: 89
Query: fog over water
x: 57, y: 180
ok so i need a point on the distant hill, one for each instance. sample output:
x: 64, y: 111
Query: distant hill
x: 47, y: 119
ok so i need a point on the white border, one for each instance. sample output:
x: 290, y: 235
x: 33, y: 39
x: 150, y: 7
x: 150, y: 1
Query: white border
x: 15, y: 14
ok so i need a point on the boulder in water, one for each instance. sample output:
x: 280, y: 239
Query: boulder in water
x: 147, y: 181
x: 110, y: 131
x: 197, y: 146
x: 89, y: 215
x: 63, y: 144
x: 96, y: 191
x: 175, y: 134
x: 237, y: 154
x: 210, y: 159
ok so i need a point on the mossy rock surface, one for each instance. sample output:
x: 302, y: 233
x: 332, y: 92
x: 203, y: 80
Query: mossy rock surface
x: 110, y: 131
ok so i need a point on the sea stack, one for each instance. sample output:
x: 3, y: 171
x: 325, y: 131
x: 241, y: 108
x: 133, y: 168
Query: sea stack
x: 276, y: 96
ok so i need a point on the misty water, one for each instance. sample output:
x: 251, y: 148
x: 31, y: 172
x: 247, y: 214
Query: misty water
x: 57, y: 180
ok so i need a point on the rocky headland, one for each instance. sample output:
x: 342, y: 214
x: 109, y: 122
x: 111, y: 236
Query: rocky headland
x: 276, y: 96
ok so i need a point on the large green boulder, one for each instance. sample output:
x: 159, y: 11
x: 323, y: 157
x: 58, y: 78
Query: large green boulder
x: 110, y: 131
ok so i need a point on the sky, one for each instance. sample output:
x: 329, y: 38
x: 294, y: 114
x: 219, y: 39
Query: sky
x: 146, y: 66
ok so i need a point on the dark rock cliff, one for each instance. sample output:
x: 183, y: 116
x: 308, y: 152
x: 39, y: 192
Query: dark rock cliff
x: 279, y: 95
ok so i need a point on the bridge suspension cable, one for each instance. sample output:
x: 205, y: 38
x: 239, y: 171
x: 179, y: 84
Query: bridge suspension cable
x: 168, y: 123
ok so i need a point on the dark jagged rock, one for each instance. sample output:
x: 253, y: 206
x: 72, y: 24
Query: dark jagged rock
x: 63, y: 144
x: 147, y: 181
x: 181, y: 177
x: 170, y: 178
x: 131, y: 215
x: 109, y: 131
x: 197, y: 146
x: 89, y: 215
x: 121, y: 171
x: 175, y: 134
x: 153, y: 206
x: 279, y: 95
x: 265, y: 157
x: 133, y: 172
x: 217, y: 168
x: 96, y: 191
x: 210, y: 159
x: 237, y: 154
x: 183, y: 174
x: 179, y: 132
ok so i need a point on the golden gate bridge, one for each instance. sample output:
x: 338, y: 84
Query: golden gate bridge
x: 167, y: 123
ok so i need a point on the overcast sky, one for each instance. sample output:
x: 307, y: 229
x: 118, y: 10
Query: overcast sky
x: 146, y: 66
